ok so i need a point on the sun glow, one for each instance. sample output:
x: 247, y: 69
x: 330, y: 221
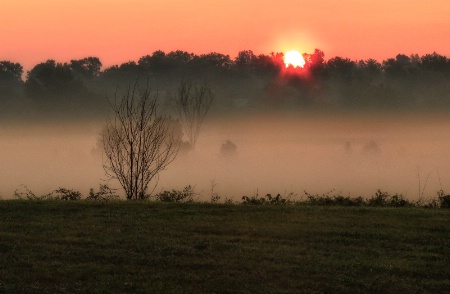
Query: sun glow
x: 294, y: 58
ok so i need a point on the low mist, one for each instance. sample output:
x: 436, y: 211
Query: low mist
x: 354, y: 154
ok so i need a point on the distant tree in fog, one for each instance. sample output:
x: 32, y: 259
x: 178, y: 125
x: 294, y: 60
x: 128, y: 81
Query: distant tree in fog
x: 315, y: 62
x: 370, y: 67
x: 228, y: 148
x: 245, y: 59
x: 156, y: 62
x: 138, y: 142
x: 400, y: 66
x: 435, y: 62
x: 340, y: 68
x: 50, y: 79
x: 212, y: 60
x: 268, y: 64
x: 10, y: 78
x: 49, y: 76
x: 10, y: 71
x: 87, y: 67
x: 192, y: 103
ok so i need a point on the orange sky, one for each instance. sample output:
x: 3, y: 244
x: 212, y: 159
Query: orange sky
x: 32, y: 31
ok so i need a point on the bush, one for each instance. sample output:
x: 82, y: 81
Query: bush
x: 65, y: 194
x: 24, y: 193
x: 59, y: 194
x: 397, y: 200
x: 348, y: 201
x: 385, y: 199
x: 104, y: 194
x: 268, y: 199
x: 325, y: 199
x: 444, y: 200
x: 254, y: 200
x: 379, y: 199
x: 187, y: 195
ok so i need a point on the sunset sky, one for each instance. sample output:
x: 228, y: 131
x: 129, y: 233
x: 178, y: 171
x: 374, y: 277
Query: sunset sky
x: 117, y: 31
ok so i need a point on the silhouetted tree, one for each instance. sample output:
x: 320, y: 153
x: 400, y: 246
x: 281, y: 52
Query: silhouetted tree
x: 87, y: 67
x: 52, y: 79
x: 400, y: 67
x: 315, y: 62
x: 10, y: 78
x: 212, y: 60
x: 435, y: 62
x: 138, y: 142
x: 268, y: 64
x: 156, y: 62
x: 370, y: 67
x: 340, y: 68
x: 122, y: 75
x: 10, y: 72
x: 245, y: 59
x: 179, y: 58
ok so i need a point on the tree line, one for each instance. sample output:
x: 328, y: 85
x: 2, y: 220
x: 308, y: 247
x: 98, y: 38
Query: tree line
x: 248, y: 81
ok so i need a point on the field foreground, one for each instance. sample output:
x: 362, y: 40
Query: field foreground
x: 135, y: 247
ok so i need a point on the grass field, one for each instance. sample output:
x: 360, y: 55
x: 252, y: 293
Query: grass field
x: 152, y: 247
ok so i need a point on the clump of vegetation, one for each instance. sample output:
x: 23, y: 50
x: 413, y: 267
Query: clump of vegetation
x: 268, y: 199
x: 24, y: 193
x: 325, y: 199
x: 65, y: 194
x: 186, y: 195
x: 104, y: 194
x: 254, y: 200
x: 215, y: 197
x: 444, y: 200
x: 380, y: 199
x: 385, y: 199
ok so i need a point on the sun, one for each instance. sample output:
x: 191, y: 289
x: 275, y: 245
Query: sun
x: 294, y: 58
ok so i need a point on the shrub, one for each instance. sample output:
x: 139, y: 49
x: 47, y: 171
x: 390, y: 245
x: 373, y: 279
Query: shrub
x: 397, y: 200
x: 379, y: 199
x: 348, y: 201
x: 104, y: 194
x: 24, y: 193
x: 444, y: 200
x: 326, y: 199
x: 64, y: 194
x: 59, y: 194
x: 254, y: 200
x: 186, y: 195
x: 268, y: 199
x: 215, y: 197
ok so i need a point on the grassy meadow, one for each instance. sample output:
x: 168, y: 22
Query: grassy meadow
x: 154, y: 247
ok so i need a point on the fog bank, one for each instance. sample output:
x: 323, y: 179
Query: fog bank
x: 354, y: 154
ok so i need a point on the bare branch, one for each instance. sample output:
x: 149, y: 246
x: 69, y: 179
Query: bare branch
x: 138, y: 143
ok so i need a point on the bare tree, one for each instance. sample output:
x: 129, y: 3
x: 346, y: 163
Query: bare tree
x: 192, y: 103
x: 138, y: 143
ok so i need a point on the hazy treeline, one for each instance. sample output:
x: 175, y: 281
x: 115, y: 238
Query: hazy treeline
x: 79, y: 88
